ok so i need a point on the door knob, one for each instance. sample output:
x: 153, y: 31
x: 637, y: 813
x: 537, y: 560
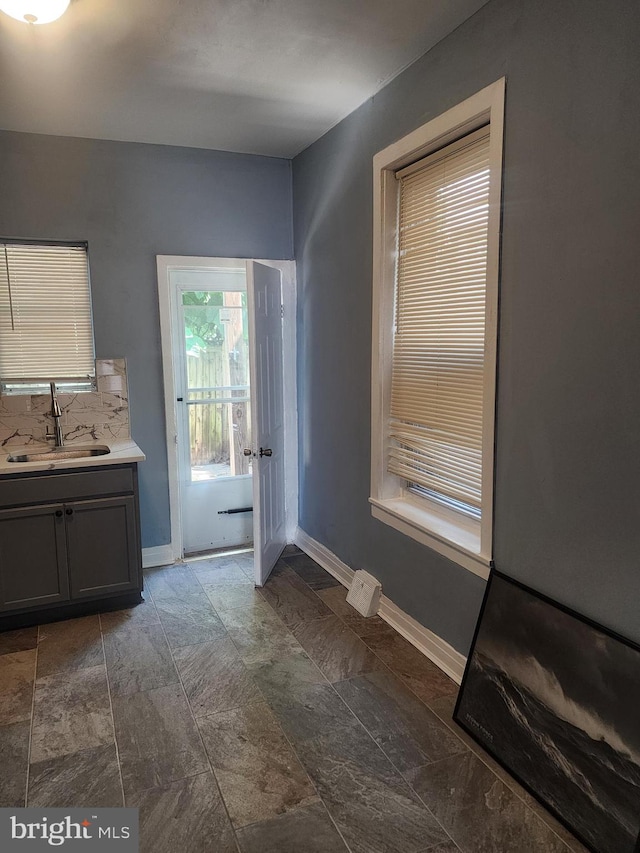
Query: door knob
x: 247, y: 451
x: 266, y: 451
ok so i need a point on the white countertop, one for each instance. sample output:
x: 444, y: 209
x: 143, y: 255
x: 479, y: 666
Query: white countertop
x: 119, y: 453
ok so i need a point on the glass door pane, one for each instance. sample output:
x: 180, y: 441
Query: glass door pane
x: 216, y: 333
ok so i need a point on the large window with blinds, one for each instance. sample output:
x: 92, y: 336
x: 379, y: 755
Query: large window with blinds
x: 46, y: 329
x: 435, y: 307
x: 435, y: 434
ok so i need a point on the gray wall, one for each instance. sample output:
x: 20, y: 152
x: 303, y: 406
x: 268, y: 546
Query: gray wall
x: 567, y: 517
x: 133, y: 202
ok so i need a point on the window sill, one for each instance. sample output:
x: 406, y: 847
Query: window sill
x: 445, y: 531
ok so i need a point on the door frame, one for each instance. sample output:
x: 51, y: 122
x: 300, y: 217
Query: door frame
x: 168, y: 334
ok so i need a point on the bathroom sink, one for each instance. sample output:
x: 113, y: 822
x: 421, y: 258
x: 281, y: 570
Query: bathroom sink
x: 60, y: 453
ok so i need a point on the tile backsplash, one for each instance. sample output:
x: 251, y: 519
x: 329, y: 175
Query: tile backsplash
x: 97, y: 415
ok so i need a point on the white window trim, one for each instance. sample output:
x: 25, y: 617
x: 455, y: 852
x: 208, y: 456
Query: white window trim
x: 464, y: 540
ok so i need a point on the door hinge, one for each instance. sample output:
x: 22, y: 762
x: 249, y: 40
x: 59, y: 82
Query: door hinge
x: 282, y: 311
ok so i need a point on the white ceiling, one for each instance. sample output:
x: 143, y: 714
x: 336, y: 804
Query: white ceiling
x: 258, y: 76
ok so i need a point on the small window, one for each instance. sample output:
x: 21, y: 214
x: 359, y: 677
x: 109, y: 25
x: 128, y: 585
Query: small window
x: 435, y: 330
x: 46, y: 329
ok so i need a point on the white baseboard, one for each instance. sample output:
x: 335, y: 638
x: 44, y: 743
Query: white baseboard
x: 326, y: 558
x: 434, y: 647
x: 431, y: 645
x: 160, y: 555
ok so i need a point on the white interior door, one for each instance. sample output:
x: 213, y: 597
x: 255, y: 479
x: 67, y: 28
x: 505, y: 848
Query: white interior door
x: 265, y: 316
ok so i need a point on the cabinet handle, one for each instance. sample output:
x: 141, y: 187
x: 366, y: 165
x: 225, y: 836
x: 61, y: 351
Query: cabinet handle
x: 58, y: 513
x: 69, y: 511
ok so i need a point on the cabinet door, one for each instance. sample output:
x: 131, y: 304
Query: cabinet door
x: 33, y: 557
x: 102, y: 545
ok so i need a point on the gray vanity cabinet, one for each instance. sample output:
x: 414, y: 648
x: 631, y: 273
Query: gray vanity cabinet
x: 103, y: 551
x: 33, y: 557
x: 69, y: 537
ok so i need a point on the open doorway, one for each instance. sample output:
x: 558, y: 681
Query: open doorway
x: 229, y: 370
x: 213, y: 396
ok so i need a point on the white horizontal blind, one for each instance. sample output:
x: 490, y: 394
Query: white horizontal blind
x: 438, y: 351
x: 46, y: 331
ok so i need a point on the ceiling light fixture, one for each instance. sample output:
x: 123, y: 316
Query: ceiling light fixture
x: 35, y: 11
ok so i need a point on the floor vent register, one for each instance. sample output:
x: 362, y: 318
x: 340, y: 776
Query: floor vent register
x: 364, y: 593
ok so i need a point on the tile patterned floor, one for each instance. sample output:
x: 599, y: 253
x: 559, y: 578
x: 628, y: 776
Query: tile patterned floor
x: 254, y: 721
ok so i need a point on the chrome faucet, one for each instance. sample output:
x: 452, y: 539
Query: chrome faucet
x: 56, y: 414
